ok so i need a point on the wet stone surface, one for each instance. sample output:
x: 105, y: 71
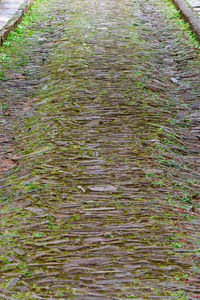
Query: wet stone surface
x: 100, y: 172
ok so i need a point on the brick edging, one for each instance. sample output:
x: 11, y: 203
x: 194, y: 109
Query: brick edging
x: 16, y: 19
x: 188, y: 15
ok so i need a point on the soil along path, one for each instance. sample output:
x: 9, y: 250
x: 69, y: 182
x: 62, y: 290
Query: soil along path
x: 101, y: 202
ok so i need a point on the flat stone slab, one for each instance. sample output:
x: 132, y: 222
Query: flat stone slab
x: 7, y: 9
x: 190, y: 10
x: 195, y: 5
x: 11, y: 12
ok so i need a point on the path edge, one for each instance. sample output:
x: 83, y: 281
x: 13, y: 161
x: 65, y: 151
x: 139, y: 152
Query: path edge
x: 189, y: 16
x: 186, y: 12
x: 15, y: 20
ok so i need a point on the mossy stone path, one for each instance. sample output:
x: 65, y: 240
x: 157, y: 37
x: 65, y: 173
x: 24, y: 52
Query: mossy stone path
x: 100, y: 156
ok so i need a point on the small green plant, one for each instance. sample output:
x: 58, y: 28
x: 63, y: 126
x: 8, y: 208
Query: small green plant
x: 176, y: 245
x: 38, y: 234
x: 159, y: 183
x: 148, y: 174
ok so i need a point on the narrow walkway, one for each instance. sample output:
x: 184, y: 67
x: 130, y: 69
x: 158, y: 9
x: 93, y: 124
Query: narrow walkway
x: 13, y: 10
x: 101, y: 110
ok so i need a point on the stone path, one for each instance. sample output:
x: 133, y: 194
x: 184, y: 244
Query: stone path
x: 10, y: 8
x: 100, y: 124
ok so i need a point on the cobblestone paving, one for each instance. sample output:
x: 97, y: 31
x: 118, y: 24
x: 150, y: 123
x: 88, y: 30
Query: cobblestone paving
x: 100, y: 110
